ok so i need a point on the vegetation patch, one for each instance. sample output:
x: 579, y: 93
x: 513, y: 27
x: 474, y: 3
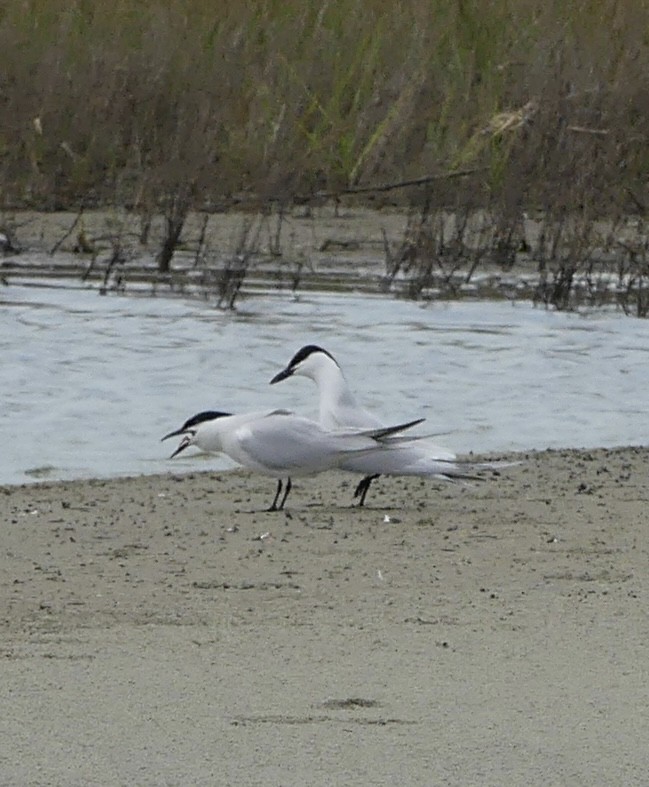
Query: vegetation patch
x: 496, y: 114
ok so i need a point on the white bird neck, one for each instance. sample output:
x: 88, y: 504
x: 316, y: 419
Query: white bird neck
x: 335, y: 396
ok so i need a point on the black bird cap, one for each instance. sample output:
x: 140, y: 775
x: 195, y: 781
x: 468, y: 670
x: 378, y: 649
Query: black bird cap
x: 301, y: 355
x: 205, y: 415
x: 199, y: 418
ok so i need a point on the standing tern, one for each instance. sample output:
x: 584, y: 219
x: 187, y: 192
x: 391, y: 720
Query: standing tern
x: 338, y: 409
x: 281, y: 444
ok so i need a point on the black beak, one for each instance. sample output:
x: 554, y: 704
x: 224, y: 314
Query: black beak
x: 183, y: 444
x: 172, y: 434
x: 282, y: 375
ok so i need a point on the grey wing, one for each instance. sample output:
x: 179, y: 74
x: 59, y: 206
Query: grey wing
x: 284, y: 442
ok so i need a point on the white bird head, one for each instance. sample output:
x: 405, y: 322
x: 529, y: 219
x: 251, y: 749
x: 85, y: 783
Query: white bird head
x: 310, y: 361
x: 190, y: 428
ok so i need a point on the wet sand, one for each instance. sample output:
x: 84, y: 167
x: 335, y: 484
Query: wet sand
x: 164, y: 630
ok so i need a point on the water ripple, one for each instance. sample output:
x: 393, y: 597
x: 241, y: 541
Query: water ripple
x: 89, y: 384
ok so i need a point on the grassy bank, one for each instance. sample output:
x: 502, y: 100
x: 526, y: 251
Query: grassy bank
x: 494, y: 108
x: 126, y: 102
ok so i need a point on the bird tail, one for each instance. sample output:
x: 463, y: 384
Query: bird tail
x: 460, y: 470
x: 496, y: 465
x: 384, y: 432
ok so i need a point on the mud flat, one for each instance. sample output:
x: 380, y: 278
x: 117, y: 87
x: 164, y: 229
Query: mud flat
x: 165, y: 630
x: 319, y: 250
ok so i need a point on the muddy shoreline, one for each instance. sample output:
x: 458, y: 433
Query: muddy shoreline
x: 166, y: 630
x: 322, y: 249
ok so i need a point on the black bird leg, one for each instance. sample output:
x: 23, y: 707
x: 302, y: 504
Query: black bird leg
x: 277, y: 493
x: 363, y: 486
x: 289, y: 486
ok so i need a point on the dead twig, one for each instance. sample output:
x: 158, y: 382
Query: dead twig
x: 114, y: 265
x: 175, y: 214
x: 599, y: 132
x: 69, y: 232
x: 200, y: 249
x: 382, y: 187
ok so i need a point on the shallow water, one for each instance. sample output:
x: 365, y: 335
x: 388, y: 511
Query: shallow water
x: 90, y: 384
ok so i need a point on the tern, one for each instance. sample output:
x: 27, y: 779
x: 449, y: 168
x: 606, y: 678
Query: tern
x: 281, y: 444
x: 339, y: 409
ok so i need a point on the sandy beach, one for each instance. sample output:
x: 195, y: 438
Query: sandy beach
x: 165, y: 630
